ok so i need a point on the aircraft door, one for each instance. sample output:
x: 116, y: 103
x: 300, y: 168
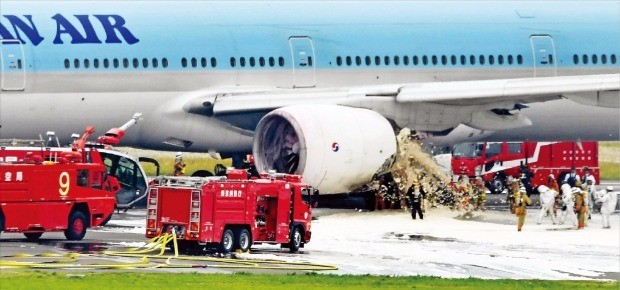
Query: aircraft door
x: 302, y: 51
x: 12, y: 65
x: 543, y: 49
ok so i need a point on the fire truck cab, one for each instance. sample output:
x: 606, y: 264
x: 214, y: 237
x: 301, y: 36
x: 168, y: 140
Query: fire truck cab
x: 232, y: 212
x: 495, y: 161
x: 38, y: 196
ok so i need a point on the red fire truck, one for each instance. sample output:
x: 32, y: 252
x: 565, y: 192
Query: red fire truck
x: 39, y: 196
x: 495, y: 161
x: 126, y: 169
x: 232, y: 212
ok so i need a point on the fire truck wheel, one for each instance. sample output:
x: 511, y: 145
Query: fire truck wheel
x: 295, y: 242
x: 77, y: 226
x: 226, y: 246
x: 243, y: 240
x: 33, y: 236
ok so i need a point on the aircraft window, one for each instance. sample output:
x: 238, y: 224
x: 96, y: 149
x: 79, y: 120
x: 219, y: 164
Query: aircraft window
x: 67, y: 63
x: 348, y: 61
x: 396, y: 60
x: 604, y: 58
x: 519, y: 59
x: 281, y: 61
x: 203, y: 62
x: 377, y: 60
x: 613, y: 59
x: 339, y: 61
x: 310, y: 61
x: 115, y: 61
x: 425, y: 60
x: 272, y: 61
x: 125, y: 63
x: 194, y: 62
x: 444, y: 60
x: 406, y: 60
x: 472, y: 59
x: 233, y: 62
x: 155, y: 62
x: 368, y: 60
x: 463, y: 60
x: 252, y: 61
x: 86, y: 63
x: 164, y: 62
x: 551, y: 59
x: 500, y: 59
x: 510, y: 59
x: 386, y: 60
x: 145, y: 63
x: 261, y: 61
x: 76, y: 63
x: 136, y: 63
x: 453, y: 59
x: 434, y: 58
x: 214, y: 62
x: 594, y: 59
x: 585, y: 59
x: 96, y: 63
x: 491, y: 59
x: 415, y: 60
x: 19, y: 63
x: 184, y: 62
x: 481, y: 58
x: 358, y: 60
x: 575, y: 59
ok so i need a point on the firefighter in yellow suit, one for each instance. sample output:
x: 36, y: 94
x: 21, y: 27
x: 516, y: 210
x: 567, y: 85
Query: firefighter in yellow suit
x: 580, y: 206
x: 521, y: 201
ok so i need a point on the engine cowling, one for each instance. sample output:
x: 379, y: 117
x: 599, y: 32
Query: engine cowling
x: 335, y: 148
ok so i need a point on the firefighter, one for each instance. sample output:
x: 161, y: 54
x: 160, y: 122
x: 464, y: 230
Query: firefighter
x: 553, y: 185
x: 568, y: 205
x: 480, y: 195
x: 380, y: 195
x: 521, y: 201
x: 590, y: 183
x: 511, y: 191
x: 179, y: 166
x: 416, y: 195
x: 580, y: 207
x: 547, y: 201
x: 572, y: 177
x: 608, y: 200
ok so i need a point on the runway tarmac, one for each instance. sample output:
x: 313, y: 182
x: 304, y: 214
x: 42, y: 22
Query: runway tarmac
x: 389, y: 242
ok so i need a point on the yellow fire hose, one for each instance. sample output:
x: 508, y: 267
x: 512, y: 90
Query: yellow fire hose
x: 157, y: 244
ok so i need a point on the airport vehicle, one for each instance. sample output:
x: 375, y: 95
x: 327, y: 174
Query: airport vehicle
x: 231, y: 212
x: 313, y: 89
x: 125, y: 168
x: 38, y: 196
x: 495, y: 161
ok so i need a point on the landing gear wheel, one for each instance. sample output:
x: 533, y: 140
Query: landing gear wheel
x: 295, y: 242
x: 226, y: 246
x: 77, y: 226
x: 244, y: 240
x: 33, y: 236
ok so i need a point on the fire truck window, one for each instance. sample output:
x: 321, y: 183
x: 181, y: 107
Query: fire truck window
x: 82, y: 178
x: 493, y: 149
x: 467, y: 150
x: 514, y: 148
x: 125, y: 173
x: 97, y: 180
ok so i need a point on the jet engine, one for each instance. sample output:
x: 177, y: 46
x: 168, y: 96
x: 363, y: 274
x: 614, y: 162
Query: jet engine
x: 335, y: 148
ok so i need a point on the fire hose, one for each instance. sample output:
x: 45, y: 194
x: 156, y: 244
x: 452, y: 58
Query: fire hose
x: 147, y: 255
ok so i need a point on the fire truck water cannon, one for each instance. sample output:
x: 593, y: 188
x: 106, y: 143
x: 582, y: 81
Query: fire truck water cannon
x: 114, y: 135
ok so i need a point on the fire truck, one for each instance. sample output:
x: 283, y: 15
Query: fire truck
x: 535, y: 161
x: 233, y: 212
x: 38, y: 196
x: 125, y: 168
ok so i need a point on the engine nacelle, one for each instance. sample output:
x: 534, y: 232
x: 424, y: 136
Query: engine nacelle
x: 335, y: 148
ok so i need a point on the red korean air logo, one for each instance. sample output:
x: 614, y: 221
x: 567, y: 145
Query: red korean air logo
x: 335, y: 147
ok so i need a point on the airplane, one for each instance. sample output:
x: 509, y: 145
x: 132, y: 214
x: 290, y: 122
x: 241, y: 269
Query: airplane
x: 316, y: 88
